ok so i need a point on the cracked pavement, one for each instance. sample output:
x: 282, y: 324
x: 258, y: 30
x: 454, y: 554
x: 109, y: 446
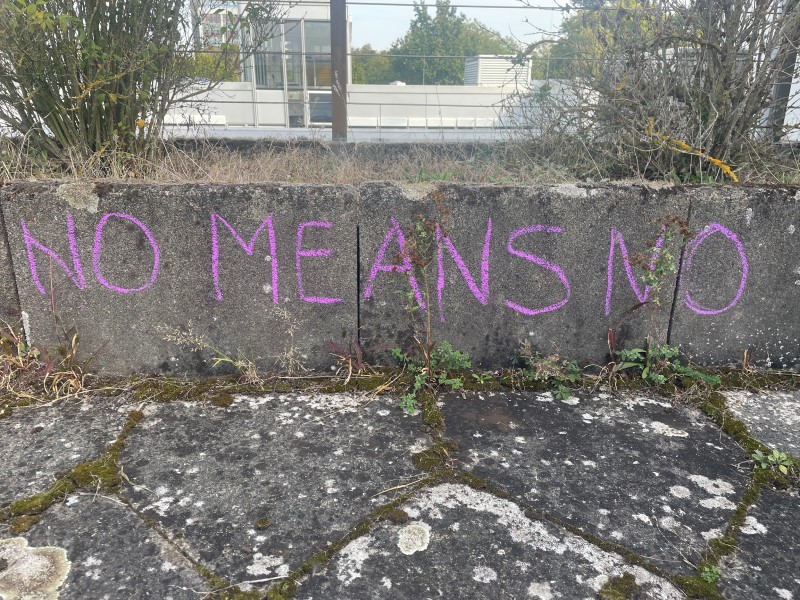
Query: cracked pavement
x: 537, y: 498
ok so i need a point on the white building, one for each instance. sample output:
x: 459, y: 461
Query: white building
x: 285, y: 90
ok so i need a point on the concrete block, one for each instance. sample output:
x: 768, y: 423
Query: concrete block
x: 540, y: 274
x: 394, y: 122
x: 740, y: 279
x: 239, y: 266
x: 9, y: 301
x: 362, y: 121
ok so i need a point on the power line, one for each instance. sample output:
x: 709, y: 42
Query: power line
x: 411, y: 5
x: 567, y: 8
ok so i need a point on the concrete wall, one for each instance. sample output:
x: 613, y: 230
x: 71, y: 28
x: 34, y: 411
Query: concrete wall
x: 240, y: 104
x: 240, y: 266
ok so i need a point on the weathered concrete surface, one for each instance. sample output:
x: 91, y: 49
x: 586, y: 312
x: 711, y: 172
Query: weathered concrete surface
x: 38, y: 443
x: 252, y: 491
x: 631, y: 469
x: 225, y: 291
x: 312, y: 466
x: 766, y: 565
x: 460, y: 543
x: 110, y: 553
x: 766, y: 222
x: 143, y: 261
x: 9, y: 301
x: 773, y: 418
x: 534, y: 278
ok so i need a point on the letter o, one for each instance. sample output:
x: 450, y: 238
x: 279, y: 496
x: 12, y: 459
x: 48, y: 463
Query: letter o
x: 98, y: 243
x: 694, y: 244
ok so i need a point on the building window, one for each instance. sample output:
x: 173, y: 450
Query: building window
x: 269, y: 64
x: 293, y: 50
x: 319, y: 107
x: 318, y: 53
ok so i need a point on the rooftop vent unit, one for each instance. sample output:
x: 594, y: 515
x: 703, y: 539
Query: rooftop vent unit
x: 490, y: 70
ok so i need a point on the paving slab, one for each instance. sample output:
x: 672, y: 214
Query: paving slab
x: 461, y: 543
x: 765, y: 566
x: 94, y: 547
x: 773, y: 418
x: 254, y: 489
x: 37, y: 442
x: 630, y: 469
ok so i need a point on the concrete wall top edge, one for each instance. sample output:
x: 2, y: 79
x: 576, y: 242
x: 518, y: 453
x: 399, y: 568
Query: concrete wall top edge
x: 8, y: 189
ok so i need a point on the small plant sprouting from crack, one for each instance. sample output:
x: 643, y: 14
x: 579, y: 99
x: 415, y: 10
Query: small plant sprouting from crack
x: 710, y: 574
x: 776, y: 460
x: 194, y: 342
x: 290, y: 360
x: 657, y: 364
x: 437, y: 371
x: 432, y: 364
x: 563, y: 373
x: 350, y: 358
x: 657, y: 266
x: 28, y: 372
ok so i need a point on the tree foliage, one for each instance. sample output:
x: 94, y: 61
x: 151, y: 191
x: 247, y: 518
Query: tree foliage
x: 443, y: 39
x: 370, y: 66
x: 83, y: 75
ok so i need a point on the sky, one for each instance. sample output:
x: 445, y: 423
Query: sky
x: 379, y: 26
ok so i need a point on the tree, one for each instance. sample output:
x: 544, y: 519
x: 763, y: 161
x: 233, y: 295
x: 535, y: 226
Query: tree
x: 676, y: 86
x: 370, y: 66
x: 81, y: 76
x: 438, y: 44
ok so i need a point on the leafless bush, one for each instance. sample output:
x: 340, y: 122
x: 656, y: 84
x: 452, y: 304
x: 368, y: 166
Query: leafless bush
x: 667, y: 87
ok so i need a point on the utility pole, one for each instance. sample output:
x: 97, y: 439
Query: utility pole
x: 339, y: 52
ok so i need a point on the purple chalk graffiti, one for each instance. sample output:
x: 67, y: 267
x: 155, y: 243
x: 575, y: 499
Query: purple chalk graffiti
x: 300, y: 253
x: 31, y: 243
x: 541, y: 262
x: 482, y: 295
x: 98, y: 245
x: 406, y: 267
x: 247, y: 247
x: 692, y: 247
x: 616, y: 238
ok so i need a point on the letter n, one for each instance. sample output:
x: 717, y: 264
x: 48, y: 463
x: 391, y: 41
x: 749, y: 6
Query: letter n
x: 617, y: 239
x: 76, y: 275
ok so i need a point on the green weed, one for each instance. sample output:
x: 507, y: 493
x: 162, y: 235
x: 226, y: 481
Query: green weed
x: 775, y: 460
x: 437, y: 369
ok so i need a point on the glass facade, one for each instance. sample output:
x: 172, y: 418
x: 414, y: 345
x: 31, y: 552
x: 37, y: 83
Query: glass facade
x: 301, y: 54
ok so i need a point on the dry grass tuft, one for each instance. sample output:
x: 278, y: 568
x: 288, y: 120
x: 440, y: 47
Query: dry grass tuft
x: 290, y: 162
x: 30, y: 373
x: 546, y: 160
